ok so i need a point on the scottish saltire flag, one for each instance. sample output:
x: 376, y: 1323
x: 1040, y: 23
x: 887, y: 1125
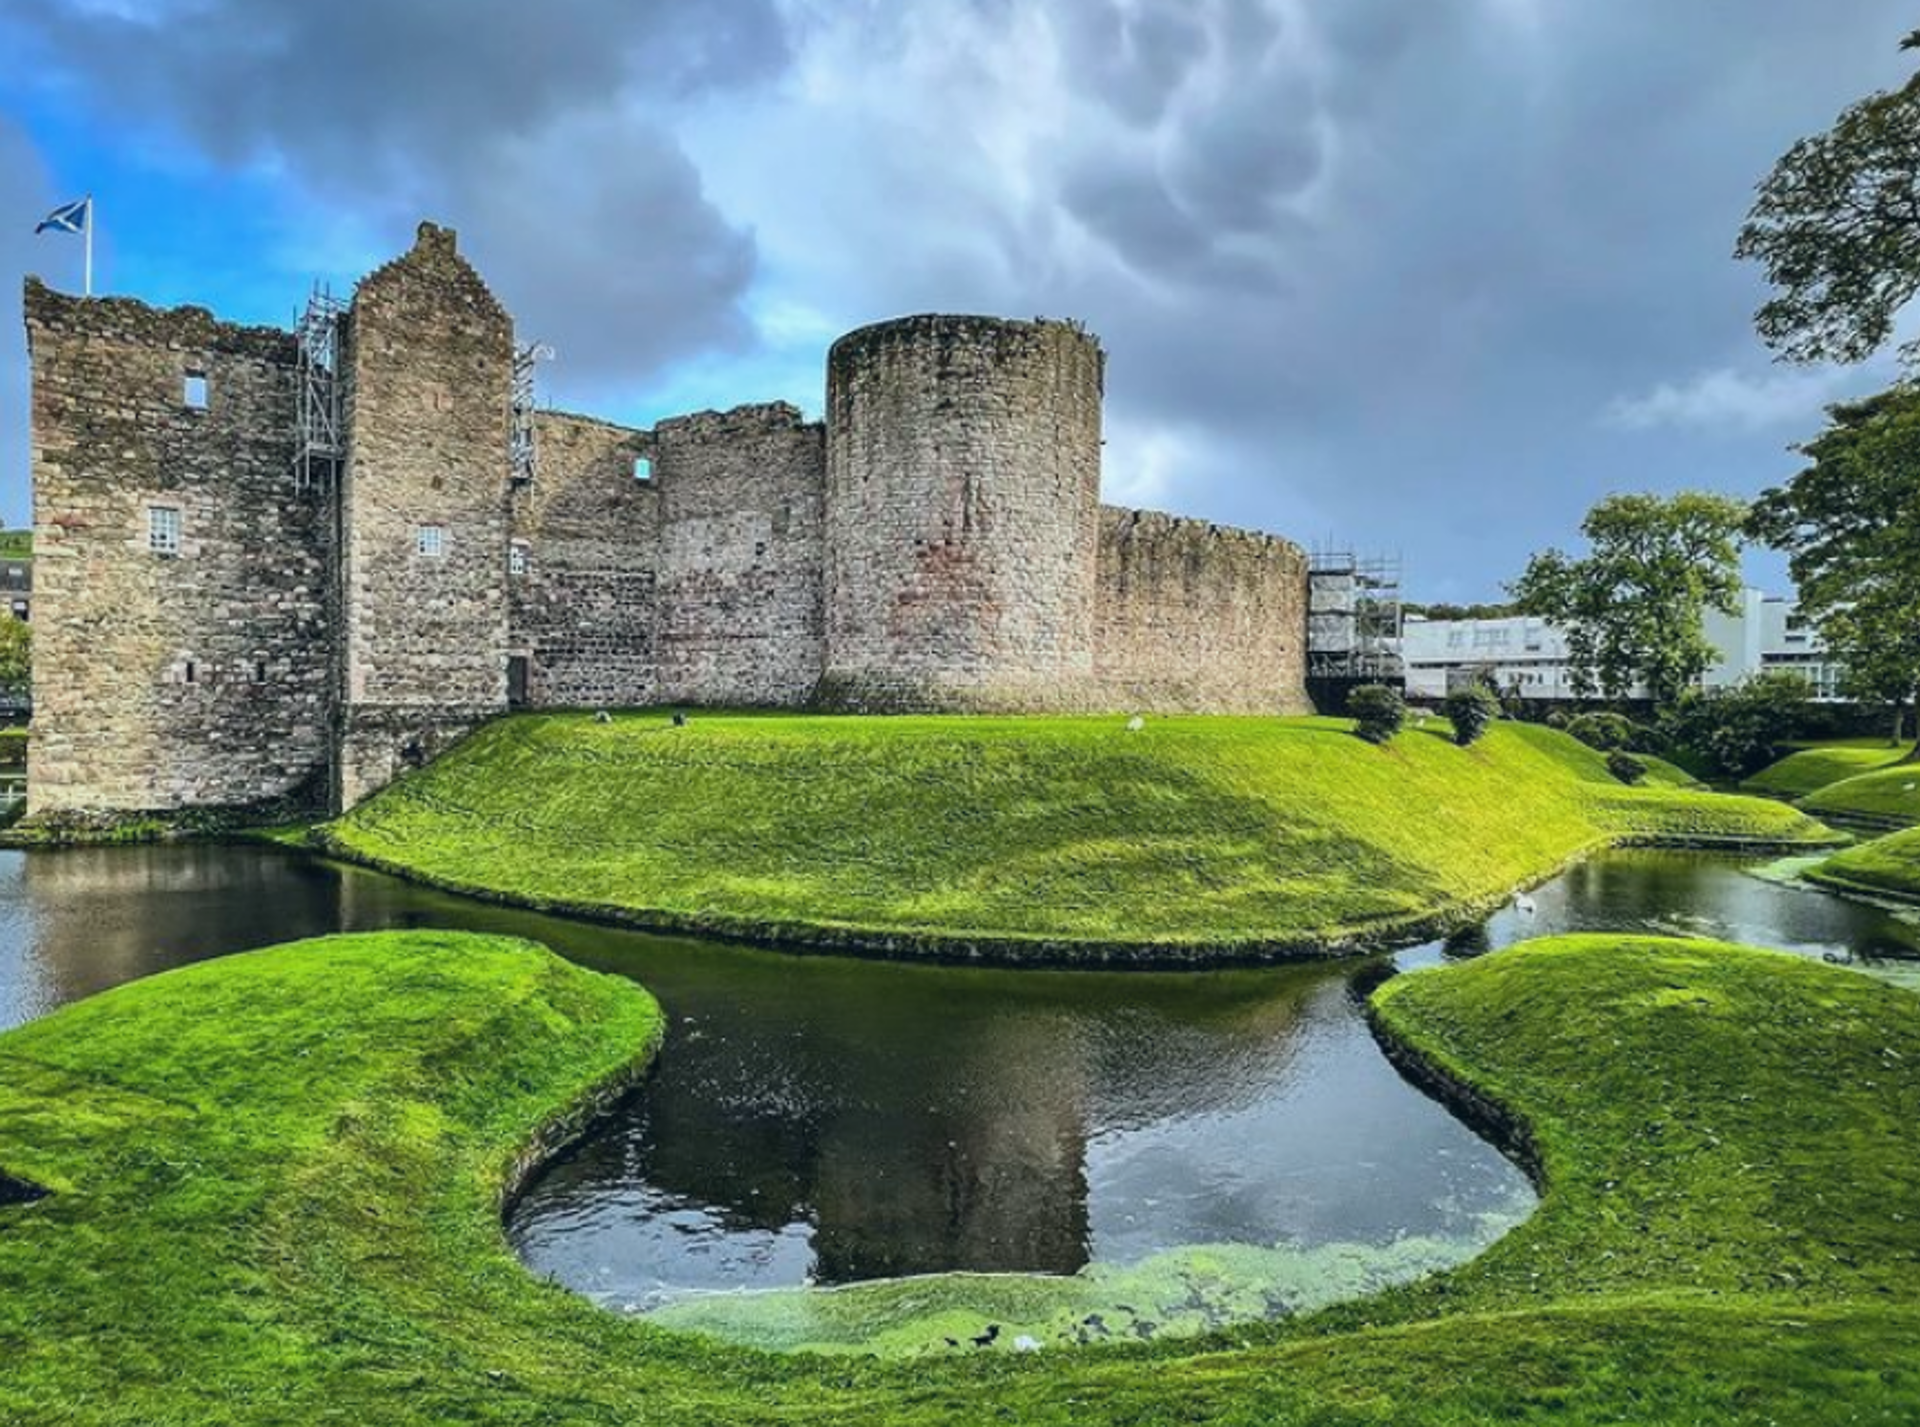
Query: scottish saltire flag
x: 67, y: 218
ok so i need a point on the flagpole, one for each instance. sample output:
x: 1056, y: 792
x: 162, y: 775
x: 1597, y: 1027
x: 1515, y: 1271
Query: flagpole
x: 89, y: 278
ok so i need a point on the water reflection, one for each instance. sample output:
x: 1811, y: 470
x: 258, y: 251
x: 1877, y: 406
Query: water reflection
x: 821, y: 1120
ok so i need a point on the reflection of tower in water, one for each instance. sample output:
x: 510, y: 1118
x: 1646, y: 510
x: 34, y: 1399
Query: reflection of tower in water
x: 992, y: 1180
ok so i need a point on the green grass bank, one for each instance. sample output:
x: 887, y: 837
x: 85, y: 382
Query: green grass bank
x: 1057, y: 839
x: 1887, y: 799
x: 275, y: 1186
x: 1810, y: 769
x: 1888, y: 866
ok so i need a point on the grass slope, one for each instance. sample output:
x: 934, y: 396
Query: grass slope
x: 275, y: 1199
x: 1811, y: 769
x: 1888, y: 866
x: 1066, y: 837
x: 1888, y: 798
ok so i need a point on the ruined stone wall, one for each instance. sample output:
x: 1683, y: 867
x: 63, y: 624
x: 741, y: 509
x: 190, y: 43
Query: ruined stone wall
x: 963, y: 525
x: 1197, y: 618
x: 429, y: 368
x: 582, y: 605
x: 170, y: 680
x: 741, y: 615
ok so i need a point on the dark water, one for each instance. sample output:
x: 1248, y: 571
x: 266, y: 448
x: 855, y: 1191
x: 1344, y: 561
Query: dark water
x: 823, y: 1120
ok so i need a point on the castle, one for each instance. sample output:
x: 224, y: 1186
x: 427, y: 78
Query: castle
x: 287, y: 565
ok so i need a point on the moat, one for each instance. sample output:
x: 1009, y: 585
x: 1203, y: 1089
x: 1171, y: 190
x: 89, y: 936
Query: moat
x: 826, y: 1121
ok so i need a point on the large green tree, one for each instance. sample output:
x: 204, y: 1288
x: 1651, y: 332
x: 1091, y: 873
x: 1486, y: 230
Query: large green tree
x: 1634, y: 609
x: 1850, y: 525
x: 1837, y: 227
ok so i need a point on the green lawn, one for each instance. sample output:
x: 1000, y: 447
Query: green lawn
x: 1888, y: 865
x: 1890, y: 797
x: 1068, y: 837
x: 1810, y: 769
x: 275, y: 1185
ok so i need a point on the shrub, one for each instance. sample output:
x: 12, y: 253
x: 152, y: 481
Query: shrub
x: 1625, y: 767
x: 1471, y: 711
x: 1736, y: 732
x: 1603, y: 732
x: 1379, y: 710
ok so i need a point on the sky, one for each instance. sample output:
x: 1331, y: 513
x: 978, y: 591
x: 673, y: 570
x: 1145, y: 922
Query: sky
x: 1425, y: 277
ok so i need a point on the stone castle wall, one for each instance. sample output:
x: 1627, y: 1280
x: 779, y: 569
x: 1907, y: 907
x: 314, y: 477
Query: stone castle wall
x: 429, y: 386
x: 582, y: 599
x: 167, y: 680
x: 1197, y: 616
x: 741, y: 613
x: 963, y: 489
x: 937, y: 543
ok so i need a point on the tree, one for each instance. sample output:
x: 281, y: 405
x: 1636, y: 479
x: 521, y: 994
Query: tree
x: 1634, y: 610
x: 16, y: 652
x: 1837, y: 227
x: 1738, y: 731
x: 1378, y: 711
x: 1471, y: 711
x: 1850, y: 526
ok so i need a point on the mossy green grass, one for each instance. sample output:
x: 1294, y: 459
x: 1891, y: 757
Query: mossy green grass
x: 1887, y: 866
x: 275, y: 1185
x: 1816, y: 766
x: 1060, y: 839
x: 1888, y: 798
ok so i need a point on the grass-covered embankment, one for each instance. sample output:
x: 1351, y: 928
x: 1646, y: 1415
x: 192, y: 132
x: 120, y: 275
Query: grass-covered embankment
x: 1888, y: 866
x: 1064, y: 838
x: 275, y: 1187
x: 1888, y: 798
x: 1807, y: 770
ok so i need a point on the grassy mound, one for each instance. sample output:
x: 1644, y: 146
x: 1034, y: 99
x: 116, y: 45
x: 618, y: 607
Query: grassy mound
x: 1813, y: 768
x: 1062, y: 837
x: 274, y: 1198
x: 1889, y: 866
x: 1888, y: 798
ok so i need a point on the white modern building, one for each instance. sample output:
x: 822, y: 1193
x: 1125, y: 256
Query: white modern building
x: 1528, y: 656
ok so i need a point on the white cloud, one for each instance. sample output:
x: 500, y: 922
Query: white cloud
x: 1727, y: 400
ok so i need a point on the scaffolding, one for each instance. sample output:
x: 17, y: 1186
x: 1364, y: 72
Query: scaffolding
x: 1354, y: 618
x: 321, y: 444
x: 520, y: 433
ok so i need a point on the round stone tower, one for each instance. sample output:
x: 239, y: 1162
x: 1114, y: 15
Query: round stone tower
x: 963, y: 515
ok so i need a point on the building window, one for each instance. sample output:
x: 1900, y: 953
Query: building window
x: 643, y: 468
x: 190, y: 674
x: 517, y: 558
x: 430, y: 541
x: 163, y: 530
x: 259, y: 671
x: 195, y: 395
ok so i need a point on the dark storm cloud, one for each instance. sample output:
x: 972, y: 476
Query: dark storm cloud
x: 1432, y: 274
x: 1435, y: 274
x: 543, y: 130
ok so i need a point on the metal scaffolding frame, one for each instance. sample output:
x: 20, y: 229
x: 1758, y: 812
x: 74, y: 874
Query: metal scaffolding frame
x: 321, y: 439
x: 520, y: 431
x: 1355, y: 617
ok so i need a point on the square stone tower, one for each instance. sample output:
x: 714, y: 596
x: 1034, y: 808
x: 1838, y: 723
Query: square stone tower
x: 424, y: 510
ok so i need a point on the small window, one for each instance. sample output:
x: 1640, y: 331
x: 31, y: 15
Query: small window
x: 195, y: 395
x: 430, y: 541
x: 517, y: 558
x: 643, y: 468
x: 189, y: 674
x: 259, y: 671
x: 163, y: 530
